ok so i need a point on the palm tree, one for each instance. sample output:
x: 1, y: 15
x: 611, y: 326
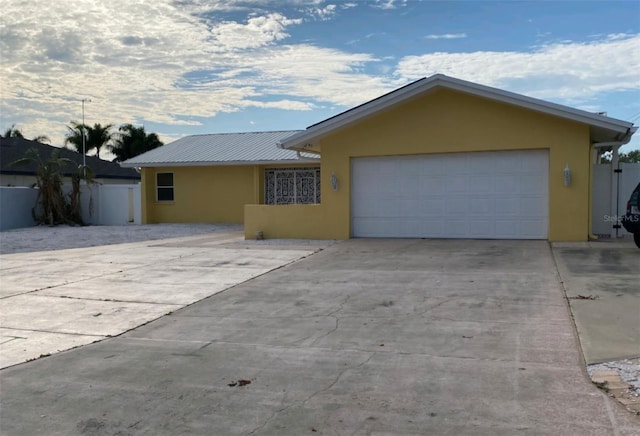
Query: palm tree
x: 132, y: 141
x: 99, y: 136
x: 54, y: 208
x: 42, y: 139
x: 96, y: 137
x: 74, y: 136
x: 12, y: 132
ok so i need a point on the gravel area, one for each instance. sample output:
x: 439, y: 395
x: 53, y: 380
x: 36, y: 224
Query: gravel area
x: 629, y: 370
x: 44, y: 238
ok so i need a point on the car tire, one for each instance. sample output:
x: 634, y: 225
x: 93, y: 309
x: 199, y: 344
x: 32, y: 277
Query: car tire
x: 636, y: 239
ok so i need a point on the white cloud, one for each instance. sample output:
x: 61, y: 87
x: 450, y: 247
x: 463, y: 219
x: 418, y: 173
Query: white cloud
x: 565, y: 71
x: 159, y: 61
x: 446, y: 36
x: 281, y: 104
x: 323, y: 14
x: 176, y: 62
x: 257, y: 32
x: 388, y: 4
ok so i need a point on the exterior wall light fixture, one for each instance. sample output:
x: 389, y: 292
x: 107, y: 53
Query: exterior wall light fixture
x: 334, y: 182
x: 567, y: 175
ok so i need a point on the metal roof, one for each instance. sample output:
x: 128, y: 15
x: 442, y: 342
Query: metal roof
x: 222, y: 149
x: 602, y: 128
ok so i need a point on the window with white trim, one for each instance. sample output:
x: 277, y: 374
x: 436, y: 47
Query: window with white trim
x: 292, y: 185
x: 164, y: 186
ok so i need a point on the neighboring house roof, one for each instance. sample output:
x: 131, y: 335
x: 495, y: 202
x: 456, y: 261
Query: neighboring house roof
x: 12, y: 149
x: 603, y: 129
x: 221, y: 149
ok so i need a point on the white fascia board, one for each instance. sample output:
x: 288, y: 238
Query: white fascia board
x: 217, y: 164
x: 440, y: 80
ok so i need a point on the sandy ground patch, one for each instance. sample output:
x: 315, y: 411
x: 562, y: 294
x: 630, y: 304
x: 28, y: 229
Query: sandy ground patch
x: 44, y: 238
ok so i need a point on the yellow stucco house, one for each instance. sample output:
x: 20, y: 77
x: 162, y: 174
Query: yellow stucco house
x: 438, y: 158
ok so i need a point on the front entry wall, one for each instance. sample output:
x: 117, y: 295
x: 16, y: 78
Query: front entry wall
x: 452, y: 122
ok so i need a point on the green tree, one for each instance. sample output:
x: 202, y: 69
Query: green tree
x: 51, y: 205
x: 132, y: 141
x: 96, y: 137
x: 631, y: 157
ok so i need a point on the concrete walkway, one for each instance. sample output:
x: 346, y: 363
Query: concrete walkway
x: 56, y: 300
x: 602, y: 281
x: 365, y: 337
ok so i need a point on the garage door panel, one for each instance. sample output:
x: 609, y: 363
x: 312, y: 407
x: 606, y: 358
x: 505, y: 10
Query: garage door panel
x: 513, y: 161
x: 455, y: 184
x: 481, y: 206
x: 456, y: 206
x: 507, y: 229
x: 531, y: 184
x: 482, y: 228
x: 531, y: 206
x: 508, y: 206
x: 505, y: 183
x: 408, y: 184
x: 532, y: 228
x: 481, y: 184
x: 465, y: 195
x: 430, y: 183
x: 428, y: 206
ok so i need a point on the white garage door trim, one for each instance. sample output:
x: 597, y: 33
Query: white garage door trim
x: 483, y: 195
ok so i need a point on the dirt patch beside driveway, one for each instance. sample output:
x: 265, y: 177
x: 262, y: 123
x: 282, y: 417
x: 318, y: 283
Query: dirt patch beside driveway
x: 44, y: 238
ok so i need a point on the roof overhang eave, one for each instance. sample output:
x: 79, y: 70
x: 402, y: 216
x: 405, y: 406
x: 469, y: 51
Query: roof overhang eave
x: 622, y: 141
x: 217, y: 164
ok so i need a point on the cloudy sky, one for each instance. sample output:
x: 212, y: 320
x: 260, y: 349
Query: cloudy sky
x: 183, y: 67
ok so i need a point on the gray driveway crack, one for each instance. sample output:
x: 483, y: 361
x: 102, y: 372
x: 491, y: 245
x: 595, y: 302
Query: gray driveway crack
x: 303, y: 402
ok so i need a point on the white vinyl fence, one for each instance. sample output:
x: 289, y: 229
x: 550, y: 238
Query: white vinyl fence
x: 610, y: 204
x: 104, y: 205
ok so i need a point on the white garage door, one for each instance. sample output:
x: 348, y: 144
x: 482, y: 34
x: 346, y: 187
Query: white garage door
x: 492, y: 195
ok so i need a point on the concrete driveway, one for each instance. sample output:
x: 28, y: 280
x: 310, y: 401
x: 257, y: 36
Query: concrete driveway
x: 365, y: 337
x: 56, y: 300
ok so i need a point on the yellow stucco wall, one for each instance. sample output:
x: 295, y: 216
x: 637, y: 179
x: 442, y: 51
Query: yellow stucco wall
x: 300, y: 221
x: 447, y: 121
x: 201, y: 194
x: 206, y: 194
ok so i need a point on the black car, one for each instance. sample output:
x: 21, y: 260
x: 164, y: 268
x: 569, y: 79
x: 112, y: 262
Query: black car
x: 631, y: 220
